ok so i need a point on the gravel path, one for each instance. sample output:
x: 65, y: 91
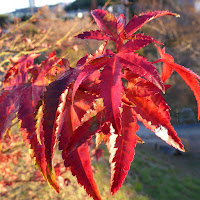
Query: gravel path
x: 189, y: 133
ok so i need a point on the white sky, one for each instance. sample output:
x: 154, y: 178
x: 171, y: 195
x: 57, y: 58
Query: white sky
x: 7, y: 6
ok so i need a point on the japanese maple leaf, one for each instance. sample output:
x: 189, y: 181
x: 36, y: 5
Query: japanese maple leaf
x: 190, y: 78
x: 61, y: 120
x: 153, y: 112
x: 65, y: 122
x: 79, y: 159
x: 111, y: 85
x: 24, y: 84
x: 19, y: 70
x: 121, y: 148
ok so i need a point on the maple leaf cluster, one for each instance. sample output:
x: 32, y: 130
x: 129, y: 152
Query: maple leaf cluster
x: 105, y: 95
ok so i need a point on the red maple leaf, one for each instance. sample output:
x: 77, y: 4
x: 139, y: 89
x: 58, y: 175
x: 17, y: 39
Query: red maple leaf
x: 24, y: 84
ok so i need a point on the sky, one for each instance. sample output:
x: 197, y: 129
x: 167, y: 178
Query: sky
x: 7, y: 6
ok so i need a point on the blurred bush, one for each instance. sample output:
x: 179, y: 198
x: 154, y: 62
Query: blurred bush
x: 43, y: 33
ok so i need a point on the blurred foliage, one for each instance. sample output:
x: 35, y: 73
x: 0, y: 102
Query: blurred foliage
x: 43, y: 33
x: 83, y: 4
x: 153, y: 175
x: 23, y: 182
x: 3, y: 20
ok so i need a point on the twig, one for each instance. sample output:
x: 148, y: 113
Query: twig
x: 106, y: 4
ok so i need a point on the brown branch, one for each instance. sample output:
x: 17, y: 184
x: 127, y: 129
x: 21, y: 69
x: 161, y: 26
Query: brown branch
x: 13, y: 149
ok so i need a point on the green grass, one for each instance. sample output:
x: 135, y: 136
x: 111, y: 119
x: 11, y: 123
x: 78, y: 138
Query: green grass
x: 165, y: 176
x: 152, y: 176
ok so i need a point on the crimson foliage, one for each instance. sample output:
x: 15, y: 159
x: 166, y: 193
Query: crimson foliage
x: 104, y: 95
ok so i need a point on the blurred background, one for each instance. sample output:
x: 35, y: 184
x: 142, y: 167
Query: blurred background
x: 158, y: 172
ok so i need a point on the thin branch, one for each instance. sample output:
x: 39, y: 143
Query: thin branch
x: 20, y: 26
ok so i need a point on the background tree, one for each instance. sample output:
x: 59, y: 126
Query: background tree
x: 84, y: 4
x: 3, y: 20
x: 93, y: 4
x: 180, y: 41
